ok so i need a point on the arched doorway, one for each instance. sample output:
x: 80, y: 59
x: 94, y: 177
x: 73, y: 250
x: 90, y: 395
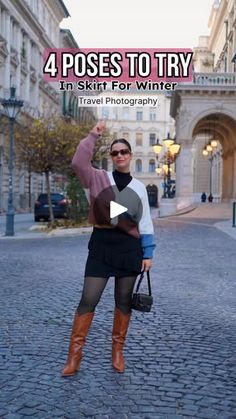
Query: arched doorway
x: 194, y: 173
x: 215, y: 173
x: 198, y: 109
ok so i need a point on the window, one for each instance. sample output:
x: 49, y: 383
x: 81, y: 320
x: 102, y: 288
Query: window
x: 125, y: 113
x: 152, y: 114
x: 24, y: 46
x: 139, y: 115
x: 105, y: 112
x: 125, y: 135
x: 152, y: 166
x: 225, y: 65
x: 22, y: 184
x: 14, y: 34
x: 114, y: 113
x: 34, y: 55
x: 2, y: 21
x: 138, y: 166
x: 152, y: 139
x: 139, y: 138
x: 55, y: 197
x: 4, y: 15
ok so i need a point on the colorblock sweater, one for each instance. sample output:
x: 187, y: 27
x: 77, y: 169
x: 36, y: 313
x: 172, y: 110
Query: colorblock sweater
x: 102, y: 190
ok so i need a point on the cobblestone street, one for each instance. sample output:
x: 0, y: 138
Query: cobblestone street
x: 180, y: 358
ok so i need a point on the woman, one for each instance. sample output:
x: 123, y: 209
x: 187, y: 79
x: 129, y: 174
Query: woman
x: 121, y: 246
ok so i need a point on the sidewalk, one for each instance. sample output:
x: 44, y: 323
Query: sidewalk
x: 216, y: 212
x: 37, y: 233
x: 26, y: 228
x: 219, y: 214
x: 226, y: 227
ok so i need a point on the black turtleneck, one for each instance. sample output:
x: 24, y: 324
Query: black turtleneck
x: 121, y: 179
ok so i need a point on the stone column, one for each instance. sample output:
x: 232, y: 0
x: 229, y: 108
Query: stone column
x: 228, y: 174
x: 234, y: 176
x: 218, y: 176
x: 213, y: 185
x: 184, y: 175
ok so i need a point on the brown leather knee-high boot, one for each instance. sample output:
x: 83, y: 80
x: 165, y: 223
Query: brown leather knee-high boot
x: 79, y: 332
x: 120, y: 328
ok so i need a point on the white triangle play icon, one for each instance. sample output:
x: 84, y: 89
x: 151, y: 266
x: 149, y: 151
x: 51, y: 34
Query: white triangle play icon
x: 116, y: 209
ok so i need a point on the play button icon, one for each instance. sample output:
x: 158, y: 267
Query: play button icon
x: 121, y: 209
x: 116, y: 209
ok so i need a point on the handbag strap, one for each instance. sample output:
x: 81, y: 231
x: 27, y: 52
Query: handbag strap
x: 148, y: 280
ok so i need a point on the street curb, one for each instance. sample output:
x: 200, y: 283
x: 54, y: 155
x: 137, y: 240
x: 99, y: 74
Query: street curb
x: 183, y: 212
x: 70, y: 231
x: 63, y: 232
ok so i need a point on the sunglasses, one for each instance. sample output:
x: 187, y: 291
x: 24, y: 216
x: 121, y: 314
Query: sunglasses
x: 122, y: 152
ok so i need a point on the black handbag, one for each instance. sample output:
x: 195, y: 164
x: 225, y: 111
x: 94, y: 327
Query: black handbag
x: 140, y: 301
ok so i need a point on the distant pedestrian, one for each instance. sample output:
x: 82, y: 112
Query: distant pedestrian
x: 210, y: 198
x: 121, y: 250
x: 203, y: 197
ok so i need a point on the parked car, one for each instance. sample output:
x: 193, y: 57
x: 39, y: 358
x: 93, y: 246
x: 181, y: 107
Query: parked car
x: 60, y: 206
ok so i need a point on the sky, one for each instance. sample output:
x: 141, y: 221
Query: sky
x: 133, y: 24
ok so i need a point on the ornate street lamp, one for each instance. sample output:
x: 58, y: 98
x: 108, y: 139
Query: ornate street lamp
x: 171, y: 151
x: 157, y: 147
x: 12, y: 107
x: 158, y: 169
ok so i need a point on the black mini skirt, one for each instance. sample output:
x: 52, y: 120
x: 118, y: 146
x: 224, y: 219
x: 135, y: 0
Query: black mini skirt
x: 113, y: 252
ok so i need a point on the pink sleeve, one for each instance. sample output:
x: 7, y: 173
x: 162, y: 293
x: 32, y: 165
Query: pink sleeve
x: 81, y: 162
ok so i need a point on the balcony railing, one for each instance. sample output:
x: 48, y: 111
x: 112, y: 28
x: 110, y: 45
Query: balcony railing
x: 204, y: 81
x: 214, y: 79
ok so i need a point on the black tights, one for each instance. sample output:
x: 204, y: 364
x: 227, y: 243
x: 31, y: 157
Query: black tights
x: 93, y: 289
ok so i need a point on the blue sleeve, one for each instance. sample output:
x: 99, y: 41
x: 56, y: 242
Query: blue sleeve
x: 146, y: 229
x: 148, y: 245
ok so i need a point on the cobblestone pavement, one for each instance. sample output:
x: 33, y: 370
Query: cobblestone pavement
x: 180, y: 357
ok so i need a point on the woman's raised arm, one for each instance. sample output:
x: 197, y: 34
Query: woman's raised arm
x: 81, y: 162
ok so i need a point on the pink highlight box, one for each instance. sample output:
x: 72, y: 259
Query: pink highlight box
x: 124, y: 65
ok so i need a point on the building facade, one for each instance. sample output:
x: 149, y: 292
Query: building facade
x: 142, y: 127
x: 27, y: 27
x: 69, y: 103
x: 205, y: 110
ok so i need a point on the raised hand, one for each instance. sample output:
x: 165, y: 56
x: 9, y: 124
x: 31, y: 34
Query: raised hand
x: 99, y: 128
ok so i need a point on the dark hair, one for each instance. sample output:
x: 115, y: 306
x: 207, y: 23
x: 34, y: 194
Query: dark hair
x: 121, y: 140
